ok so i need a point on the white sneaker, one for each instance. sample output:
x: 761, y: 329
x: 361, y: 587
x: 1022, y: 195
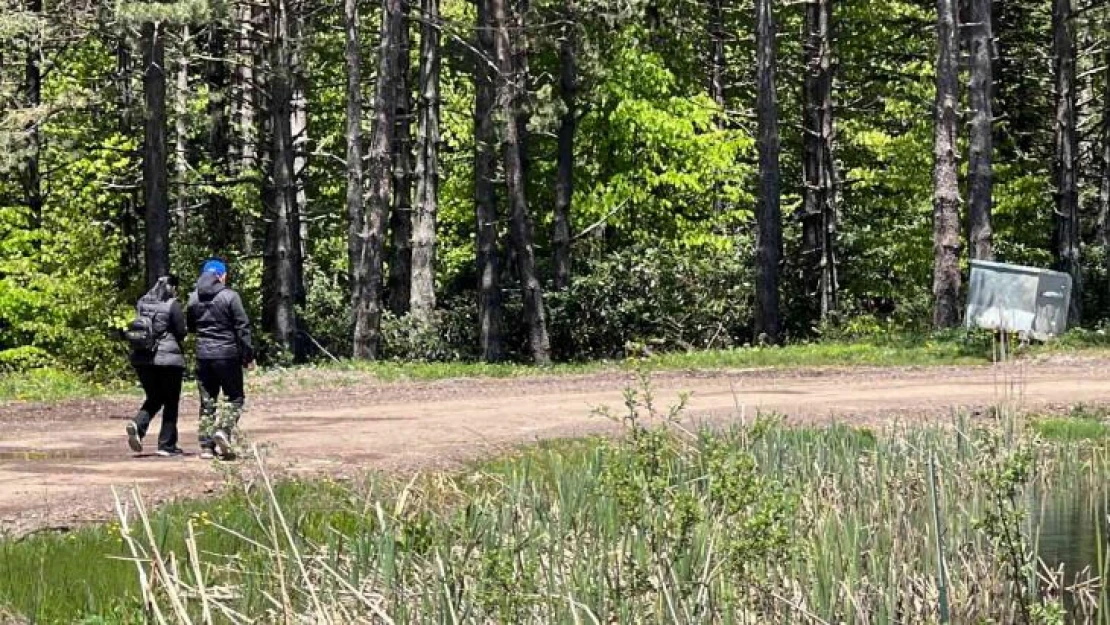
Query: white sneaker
x: 222, y: 444
x: 206, y: 454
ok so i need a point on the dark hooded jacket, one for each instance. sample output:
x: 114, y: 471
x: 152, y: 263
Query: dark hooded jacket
x: 168, y: 322
x: 216, y: 315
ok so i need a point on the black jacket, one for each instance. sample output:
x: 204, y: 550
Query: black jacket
x: 169, y: 326
x: 215, y: 313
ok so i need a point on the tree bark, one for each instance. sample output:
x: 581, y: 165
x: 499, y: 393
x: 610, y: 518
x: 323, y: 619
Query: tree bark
x: 768, y: 251
x: 820, y: 214
x: 250, y: 85
x: 181, y: 131
x: 222, y: 225
x: 717, y: 52
x: 401, y: 217
x: 980, y: 173
x: 946, y: 192
x: 280, y: 256
x: 32, y: 174
x: 1066, y: 222
x: 298, y: 123
x: 379, y: 179
x: 1104, y: 190
x: 127, y: 212
x: 356, y: 213
x: 564, y: 181
x: 427, y: 165
x: 155, y: 191
x: 485, y: 190
x: 511, y: 87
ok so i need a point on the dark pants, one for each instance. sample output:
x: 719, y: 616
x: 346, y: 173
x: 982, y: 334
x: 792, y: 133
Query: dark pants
x: 214, y: 377
x: 162, y: 386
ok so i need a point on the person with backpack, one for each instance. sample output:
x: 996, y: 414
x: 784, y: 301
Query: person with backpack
x: 215, y: 314
x: 156, y: 337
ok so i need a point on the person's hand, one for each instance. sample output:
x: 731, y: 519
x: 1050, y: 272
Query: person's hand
x: 250, y: 366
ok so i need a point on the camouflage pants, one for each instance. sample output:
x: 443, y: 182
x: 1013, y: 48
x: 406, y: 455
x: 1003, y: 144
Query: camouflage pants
x: 217, y: 416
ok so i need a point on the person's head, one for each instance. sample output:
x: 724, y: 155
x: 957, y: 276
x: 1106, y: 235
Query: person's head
x: 215, y: 267
x: 164, y: 289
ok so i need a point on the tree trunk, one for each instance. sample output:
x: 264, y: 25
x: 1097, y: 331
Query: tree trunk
x: 717, y: 52
x: 564, y: 181
x: 298, y: 123
x: 221, y: 223
x: 371, y: 229
x: 155, y: 192
x: 427, y: 165
x: 768, y: 250
x: 401, y: 217
x: 511, y: 87
x: 356, y: 213
x: 820, y: 214
x: 249, y: 87
x: 982, y: 144
x: 485, y: 190
x: 946, y: 191
x: 32, y: 174
x: 181, y: 131
x: 280, y: 256
x: 1104, y: 191
x: 1066, y: 166
x: 127, y: 212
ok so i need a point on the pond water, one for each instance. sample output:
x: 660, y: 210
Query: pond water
x: 1071, y: 530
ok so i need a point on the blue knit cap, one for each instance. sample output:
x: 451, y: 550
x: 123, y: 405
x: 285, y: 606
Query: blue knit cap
x: 214, y: 266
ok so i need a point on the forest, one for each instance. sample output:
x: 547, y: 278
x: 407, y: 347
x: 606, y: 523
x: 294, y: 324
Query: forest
x: 543, y: 180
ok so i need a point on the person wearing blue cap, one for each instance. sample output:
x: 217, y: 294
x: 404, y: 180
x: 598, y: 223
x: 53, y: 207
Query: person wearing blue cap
x: 216, y: 315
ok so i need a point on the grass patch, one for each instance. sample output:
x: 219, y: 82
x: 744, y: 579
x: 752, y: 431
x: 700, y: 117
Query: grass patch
x: 53, y: 385
x: 1070, y: 429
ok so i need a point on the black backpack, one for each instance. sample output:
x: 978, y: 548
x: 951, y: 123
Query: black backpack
x: 140, y: 334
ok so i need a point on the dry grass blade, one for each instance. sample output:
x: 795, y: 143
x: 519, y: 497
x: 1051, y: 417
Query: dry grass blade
x: 160, y: 563
x: 194, y: 557
x: 316, y: 606
x: 149, y: 602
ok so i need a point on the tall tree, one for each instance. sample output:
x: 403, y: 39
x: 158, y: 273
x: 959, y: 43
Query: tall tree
x: 401, y: 217
x: 281, y: 258
x: 946, y: 191
x: 717, y: 51
x: 980, y: 172
x: 32, y: 172
x: 768, y: 238
x: 367, y: 278
x: 181, y: 128
x: 222, y: 226
x: 298, y: 122
x: 427, y: 164
x: 511, y: 87
x: 155, y: 190
x: 819, y: 220
x: 127, y: 211
x: 568, y: 121
x: 1104, y: 189
x: 356, y: 213
x: 1065, y: 131
x: 485, y: 190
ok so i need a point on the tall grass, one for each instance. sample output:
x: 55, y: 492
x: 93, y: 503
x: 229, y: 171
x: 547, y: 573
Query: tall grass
x: 756, y: 524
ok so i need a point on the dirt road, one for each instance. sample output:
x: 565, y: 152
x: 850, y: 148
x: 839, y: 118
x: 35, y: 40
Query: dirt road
x: 59, y: 462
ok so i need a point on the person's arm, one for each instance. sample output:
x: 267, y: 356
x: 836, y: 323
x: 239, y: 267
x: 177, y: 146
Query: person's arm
x: 191, y: 316
x: 177, y: 322
x: 242, y: 328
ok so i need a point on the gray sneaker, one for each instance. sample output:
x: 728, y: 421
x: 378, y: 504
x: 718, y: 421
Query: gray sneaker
x: 133, y: 439
x: 170, y: 453
x: 206, y: 454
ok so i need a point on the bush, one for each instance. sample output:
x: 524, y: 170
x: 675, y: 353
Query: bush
x: 447, y: 335
x: 652, y: 298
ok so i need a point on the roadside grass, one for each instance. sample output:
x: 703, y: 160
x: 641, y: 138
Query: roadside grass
x: 1083, y: 423
x: 836, y: 521
x: 896, y: 349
